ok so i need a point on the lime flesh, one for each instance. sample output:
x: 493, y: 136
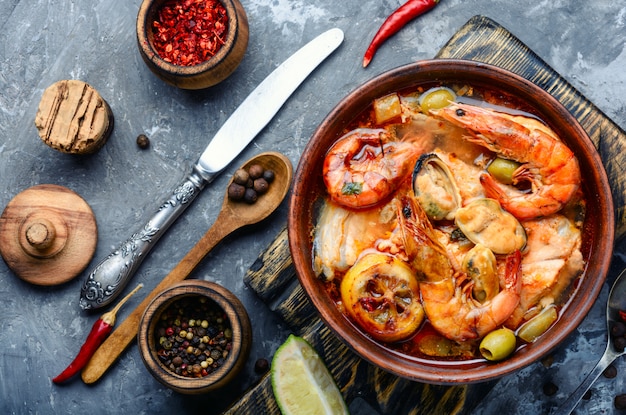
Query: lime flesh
x: 301, y: 382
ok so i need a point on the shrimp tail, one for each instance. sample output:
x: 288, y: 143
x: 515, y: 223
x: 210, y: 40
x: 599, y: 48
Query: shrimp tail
x: 522, y: 207
x: 453, y: 312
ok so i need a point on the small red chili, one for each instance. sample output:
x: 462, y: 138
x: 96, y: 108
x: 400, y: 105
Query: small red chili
x: 99, y: 332
x: 188, y: 32
x: 396, y: 21
x: 622, y: 315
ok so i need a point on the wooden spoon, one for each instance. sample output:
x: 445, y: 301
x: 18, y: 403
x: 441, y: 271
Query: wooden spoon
x: 232, y: 216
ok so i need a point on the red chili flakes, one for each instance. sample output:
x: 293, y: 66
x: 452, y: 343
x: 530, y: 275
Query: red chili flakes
x: 189, y: 32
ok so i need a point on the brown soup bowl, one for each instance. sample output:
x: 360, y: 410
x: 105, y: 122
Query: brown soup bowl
x: 597, y: 234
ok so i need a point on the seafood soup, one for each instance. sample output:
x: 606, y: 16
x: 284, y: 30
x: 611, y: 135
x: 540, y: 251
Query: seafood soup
x: 451, y: 228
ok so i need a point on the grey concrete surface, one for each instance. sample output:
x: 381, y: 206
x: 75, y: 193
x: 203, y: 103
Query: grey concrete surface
x: 42, y: 41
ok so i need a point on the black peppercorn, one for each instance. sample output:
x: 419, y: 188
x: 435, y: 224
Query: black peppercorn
x: 610, y: 372
x: 250, y: 196
x: 236, y: 191
x: 618, y: 329
x: 260, y: 186
x: 261, y: 366
x: 212, y: 331
x: 269, y: 175
x: 143, y: 141
x: 550, y: 388
x: 256, y: 171
x: 241, y: 177
x: 620, y: 401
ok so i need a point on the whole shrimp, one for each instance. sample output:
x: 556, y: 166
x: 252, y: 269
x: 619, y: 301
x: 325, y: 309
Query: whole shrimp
x: 364, y: 167
x: 446, y: 291
x: 547, y: 163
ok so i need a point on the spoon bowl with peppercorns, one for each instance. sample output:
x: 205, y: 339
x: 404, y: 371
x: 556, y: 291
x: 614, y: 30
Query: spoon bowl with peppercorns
x: 616, y: 342
x: 258, y: 186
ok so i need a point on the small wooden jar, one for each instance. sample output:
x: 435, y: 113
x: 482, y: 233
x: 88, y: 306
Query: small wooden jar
x: 73, y: 118
x: 240, y: 341
x: 205, y: 74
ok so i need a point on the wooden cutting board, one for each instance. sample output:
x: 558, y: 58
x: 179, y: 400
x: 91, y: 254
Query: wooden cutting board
x: 273, y: 278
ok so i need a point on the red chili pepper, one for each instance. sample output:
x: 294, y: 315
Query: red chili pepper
x: 396, y: 21
x: 99, y: 332
x: 622, y: 315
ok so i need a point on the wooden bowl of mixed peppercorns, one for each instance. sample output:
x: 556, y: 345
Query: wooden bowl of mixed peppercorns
x: 192, y: 44
x: 195, y: 337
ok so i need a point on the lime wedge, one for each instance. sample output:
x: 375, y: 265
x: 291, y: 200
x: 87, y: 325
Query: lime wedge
x: 301, y: 382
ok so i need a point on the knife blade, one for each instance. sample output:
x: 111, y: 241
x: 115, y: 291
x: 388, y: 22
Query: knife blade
x: 111, y: 275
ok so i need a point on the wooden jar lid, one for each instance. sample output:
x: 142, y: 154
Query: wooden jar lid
x: 48, y: 234
x: 73, y: 118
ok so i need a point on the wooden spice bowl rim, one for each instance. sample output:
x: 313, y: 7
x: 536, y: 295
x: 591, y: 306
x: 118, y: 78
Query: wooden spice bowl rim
x: 239, y: 323
x: 207, y: 73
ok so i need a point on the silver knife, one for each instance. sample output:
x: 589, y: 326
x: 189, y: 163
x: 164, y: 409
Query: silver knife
x: 110, y: 276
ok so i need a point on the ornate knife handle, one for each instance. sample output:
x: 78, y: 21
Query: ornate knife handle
x: 110, y: 276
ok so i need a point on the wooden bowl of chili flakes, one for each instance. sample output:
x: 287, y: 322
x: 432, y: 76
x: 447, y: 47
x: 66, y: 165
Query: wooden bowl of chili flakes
x: 192, y: 44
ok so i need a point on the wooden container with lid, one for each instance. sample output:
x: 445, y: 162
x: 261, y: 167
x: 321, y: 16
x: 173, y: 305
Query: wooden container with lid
x: 73, y: 118
x: 48, y: 234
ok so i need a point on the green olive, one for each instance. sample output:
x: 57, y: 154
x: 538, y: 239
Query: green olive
x: 503, y: 169
x: 536, y: 326
x: 436, y: 98
x: 498, y: 344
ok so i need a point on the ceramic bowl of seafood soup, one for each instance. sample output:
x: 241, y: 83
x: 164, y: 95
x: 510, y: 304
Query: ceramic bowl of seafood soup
x: 309, y: 193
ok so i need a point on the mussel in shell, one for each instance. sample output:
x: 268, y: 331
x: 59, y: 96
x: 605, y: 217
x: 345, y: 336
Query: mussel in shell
x: 435, y: 188
x: 480, y: 265
x: 483, y: 221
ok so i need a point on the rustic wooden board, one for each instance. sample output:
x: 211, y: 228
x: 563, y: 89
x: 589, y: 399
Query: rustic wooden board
x: 273, y: 278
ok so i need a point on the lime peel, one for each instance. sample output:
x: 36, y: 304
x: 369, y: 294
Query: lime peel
x: 301, y: 381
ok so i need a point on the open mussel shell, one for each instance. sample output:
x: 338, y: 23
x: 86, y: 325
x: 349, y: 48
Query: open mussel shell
x: 435, y: 188
x: 480, y: 265
x: 484, y: 221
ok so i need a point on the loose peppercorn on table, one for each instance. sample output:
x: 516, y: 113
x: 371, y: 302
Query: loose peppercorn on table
x: 573, y: 51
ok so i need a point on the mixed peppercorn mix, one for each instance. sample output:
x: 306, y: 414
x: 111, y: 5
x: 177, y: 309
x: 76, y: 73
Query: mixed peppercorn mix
x: 193, y: 337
